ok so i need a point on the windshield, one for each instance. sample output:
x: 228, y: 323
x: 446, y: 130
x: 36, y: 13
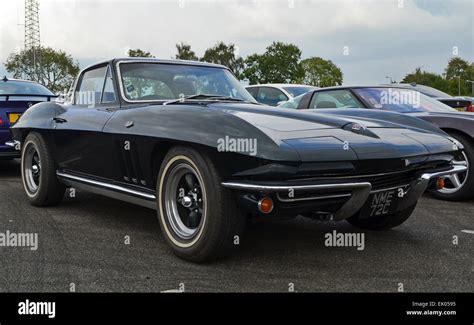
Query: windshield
x: 298, y: 90
x: 292, y: 103
x: 165, y: 82
x: 13, y: 87
x: 401, y: 100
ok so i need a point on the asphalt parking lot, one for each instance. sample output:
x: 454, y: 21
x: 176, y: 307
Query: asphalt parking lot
x: 82, y: 242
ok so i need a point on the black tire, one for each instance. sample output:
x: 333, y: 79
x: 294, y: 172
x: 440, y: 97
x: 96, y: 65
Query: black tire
x: 385, y: 222
x: 49, y: 190
x: 466, y: 192
x: 218, y: 220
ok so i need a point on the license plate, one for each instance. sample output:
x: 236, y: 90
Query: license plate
x: 14, y: 118
x: 382, y: 203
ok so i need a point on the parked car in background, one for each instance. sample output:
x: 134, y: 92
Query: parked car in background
x: 274, y: 94
x: 186, y: 139
x: 16, y: 96
x: 459, y: 103
x: 459, y: 125
x: 469, y: 98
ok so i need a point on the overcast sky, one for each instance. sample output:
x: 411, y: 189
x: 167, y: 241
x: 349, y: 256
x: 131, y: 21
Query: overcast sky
x: 381, y: 38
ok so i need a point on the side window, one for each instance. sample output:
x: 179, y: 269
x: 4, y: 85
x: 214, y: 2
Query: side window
x: 271, y: 96
x: 335, y: 99
x: 89, y: 92
x: 108, y: 95
x: 253, y: 91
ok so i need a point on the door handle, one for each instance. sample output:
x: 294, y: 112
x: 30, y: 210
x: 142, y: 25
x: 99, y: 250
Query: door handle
x: 59, y: 120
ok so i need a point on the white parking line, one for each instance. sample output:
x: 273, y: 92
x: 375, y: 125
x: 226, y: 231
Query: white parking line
x: 172, y: 291
x: 468, y: 231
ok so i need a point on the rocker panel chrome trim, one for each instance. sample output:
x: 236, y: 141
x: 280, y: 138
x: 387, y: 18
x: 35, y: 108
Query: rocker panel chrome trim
x: 109, y: 190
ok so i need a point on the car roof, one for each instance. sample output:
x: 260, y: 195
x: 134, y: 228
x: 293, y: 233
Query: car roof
x: 6, y: 79
x: 280, y: 85
x: 154, y: 60
x: 361, y: 86
x: 431, y: 91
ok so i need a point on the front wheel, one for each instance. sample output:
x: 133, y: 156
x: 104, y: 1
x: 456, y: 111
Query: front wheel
x: 384, y: 222
x: 198, y: 217
x: 459, y: 187
x: 38, y: 172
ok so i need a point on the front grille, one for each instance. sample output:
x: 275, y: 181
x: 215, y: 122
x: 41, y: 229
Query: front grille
x: 305, y: 195
x: 378, y: 181
x: 388, y: 180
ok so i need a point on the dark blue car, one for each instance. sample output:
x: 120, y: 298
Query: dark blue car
x: 16, y: 96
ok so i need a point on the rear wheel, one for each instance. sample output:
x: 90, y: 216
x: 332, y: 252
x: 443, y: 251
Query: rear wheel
x: 381, y: 222
x: 199, y: 218
x: 458, y: 187
x: 38, y: 172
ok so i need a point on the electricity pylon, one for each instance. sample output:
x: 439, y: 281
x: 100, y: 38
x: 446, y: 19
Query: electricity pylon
x: 32, y: 32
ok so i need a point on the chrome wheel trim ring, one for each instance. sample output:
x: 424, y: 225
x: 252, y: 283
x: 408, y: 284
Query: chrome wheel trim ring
x: 31, y: 169
x: 162, y: 205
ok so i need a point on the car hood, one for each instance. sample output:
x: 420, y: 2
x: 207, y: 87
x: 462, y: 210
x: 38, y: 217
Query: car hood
x: 329, y: 137
x: 456, y: 115
x: 286, y: 120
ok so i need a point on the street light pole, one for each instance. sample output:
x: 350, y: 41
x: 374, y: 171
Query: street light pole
x: 472, y: 85
x: 459, y: 81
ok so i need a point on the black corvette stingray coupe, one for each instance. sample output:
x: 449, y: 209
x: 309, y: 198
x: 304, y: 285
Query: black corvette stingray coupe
x: 185, y: 138
x: 397, y: 98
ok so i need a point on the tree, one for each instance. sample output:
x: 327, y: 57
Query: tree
x: 449, y: 85
x: 455, y: 85
x: 54, y: 69
x: 456, y: 67
x: 137, y: 53
x: 279, y: 64
x: 427, y: 78
x: 225, y: 55
x: 185, y: 52
x: 320, y: 73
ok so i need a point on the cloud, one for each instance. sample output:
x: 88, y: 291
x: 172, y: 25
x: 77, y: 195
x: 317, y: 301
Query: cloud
x: 384, y: 37
x: 435, y: 7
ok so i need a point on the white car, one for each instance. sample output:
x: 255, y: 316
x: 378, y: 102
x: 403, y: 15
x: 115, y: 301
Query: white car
x: 274, y: 94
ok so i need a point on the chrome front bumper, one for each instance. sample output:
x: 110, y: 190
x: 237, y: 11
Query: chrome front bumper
x: 14, y: 144
x: 358, y: 191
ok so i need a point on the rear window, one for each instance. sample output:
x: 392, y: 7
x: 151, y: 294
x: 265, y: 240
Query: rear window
x: 12, y: 87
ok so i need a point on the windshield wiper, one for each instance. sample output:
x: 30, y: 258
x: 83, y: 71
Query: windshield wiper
x: 233, y: 99
x: 204, y: 96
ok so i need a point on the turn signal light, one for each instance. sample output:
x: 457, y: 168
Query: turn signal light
x: 440, y: 183
x: 265, y: 205
x: 1, y: 121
